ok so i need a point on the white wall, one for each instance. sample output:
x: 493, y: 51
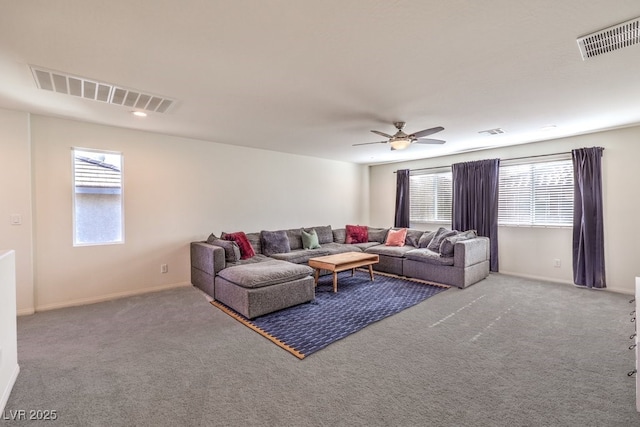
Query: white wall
x: 15, y: 199
x: 179, y: 189
x: 8, y: 339
x: 176, y: 190
x: 530, y: 252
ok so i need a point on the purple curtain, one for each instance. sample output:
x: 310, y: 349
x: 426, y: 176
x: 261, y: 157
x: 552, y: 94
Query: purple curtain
x: 588, y: 229
x: 475, y: 201
x: 402, y: 199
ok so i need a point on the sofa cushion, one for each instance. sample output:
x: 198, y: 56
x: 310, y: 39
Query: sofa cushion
x: 254, y: 239
x: 309, y: 239
x: 356, y: 234
x: 392, y: 251
x: 428, y: 257
x: 295, y: 241
x: 246, y: 250
x: 340, y: 248
x: 274, y: 242
x: 396, y: 237
x: 363, y: 246
x: 231, y: 248
x: 339, y: 235
x: 265, y: 273
x: 376, y: 234
x: 301, y: 256
x: 440, y: 235
x: 471, y: 234
x: 426, y: 238
x: 413, y: 237
x: 253, y: 260
x: 447, y: 244
x: 325, y: 234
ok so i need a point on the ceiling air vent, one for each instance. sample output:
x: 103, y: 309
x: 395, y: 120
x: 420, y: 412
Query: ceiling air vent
x: 496, y: 131
x: 610, y: 39
x: 99, y: 91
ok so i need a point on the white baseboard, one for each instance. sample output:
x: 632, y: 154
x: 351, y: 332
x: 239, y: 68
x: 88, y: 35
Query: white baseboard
x: 534, y: 277
x: 109, y: 297
x: 7, y: 391
x: 565, y: 282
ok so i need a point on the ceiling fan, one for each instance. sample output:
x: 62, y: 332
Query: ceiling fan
x: 401, y: 140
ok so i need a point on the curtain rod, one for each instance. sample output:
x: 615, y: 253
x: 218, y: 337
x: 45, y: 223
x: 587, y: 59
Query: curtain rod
x: 512, y: 158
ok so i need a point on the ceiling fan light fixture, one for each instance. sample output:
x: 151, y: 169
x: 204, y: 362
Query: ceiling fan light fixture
x: 401, y: 140
x: 400, y: 144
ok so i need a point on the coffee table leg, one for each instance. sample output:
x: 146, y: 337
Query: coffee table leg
x: 335, y: 281
x: 353, y: 271
x: 371, y: 272
x: 317, y: 276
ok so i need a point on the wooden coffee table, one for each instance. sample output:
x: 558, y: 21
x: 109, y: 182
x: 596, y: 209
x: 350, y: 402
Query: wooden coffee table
x: 341, y: 262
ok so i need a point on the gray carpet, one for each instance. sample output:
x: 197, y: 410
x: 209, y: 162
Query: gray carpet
x: 504, y: 352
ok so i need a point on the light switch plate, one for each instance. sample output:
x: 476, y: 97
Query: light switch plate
x: 16, y: 219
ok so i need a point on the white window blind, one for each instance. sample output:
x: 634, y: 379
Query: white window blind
x: 430, y: 194
x: 536, y: 193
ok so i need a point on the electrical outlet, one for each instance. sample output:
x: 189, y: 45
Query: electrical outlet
x: 557, y: 263
x: 164, y: 268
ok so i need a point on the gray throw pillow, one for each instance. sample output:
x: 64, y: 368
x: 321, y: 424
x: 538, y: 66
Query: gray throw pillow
x: 339, y: 235
x: 413, y: 237
x: 231, y: 248
x: 309, y: 240
x: 377, y: 234
x: 447, y: 245
x: 274, y: 242
x: 470, y: 234
x: 324, y: 232
x: 254, y: 240
x: 441, y: 234
x: 295, y: 241
x: 425, y: 239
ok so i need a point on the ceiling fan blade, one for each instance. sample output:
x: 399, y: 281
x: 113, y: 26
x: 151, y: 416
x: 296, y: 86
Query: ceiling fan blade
x: 429, y: 141
x: 427, y: 132
x: 367, y: 143
x: 382, y: 134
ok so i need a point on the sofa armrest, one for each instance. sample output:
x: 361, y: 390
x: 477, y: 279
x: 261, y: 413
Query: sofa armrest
x: 207, y: 258
x: 470, y: 252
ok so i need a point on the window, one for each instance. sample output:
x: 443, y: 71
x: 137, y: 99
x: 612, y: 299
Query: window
x: 538, y: 193
x: 97, y: 197
x: 430, y: 194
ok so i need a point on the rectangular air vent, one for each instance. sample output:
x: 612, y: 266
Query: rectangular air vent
x: 610, y: 39
x: 99, y: 91
x: 496, y: 131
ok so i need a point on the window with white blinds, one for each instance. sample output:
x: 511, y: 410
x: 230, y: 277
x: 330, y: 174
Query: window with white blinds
x: 430, y: 194
x: 539, y: 193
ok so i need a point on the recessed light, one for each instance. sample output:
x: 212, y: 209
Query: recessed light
x: 139, y: 113
x: 549, y: 127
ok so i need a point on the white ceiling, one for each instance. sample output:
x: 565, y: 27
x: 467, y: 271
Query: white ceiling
x: 314, y: 77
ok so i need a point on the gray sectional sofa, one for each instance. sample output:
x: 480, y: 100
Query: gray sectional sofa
x: 273, y: 274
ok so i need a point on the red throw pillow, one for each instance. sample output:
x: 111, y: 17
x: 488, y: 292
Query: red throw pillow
x: 356, y: 234
x: 396, y: 237
x: 246, y: 250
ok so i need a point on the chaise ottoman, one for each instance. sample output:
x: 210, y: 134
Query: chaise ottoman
x: 263, y: 287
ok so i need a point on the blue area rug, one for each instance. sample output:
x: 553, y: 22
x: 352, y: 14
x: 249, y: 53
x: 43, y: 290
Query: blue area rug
x: 307, y: 328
